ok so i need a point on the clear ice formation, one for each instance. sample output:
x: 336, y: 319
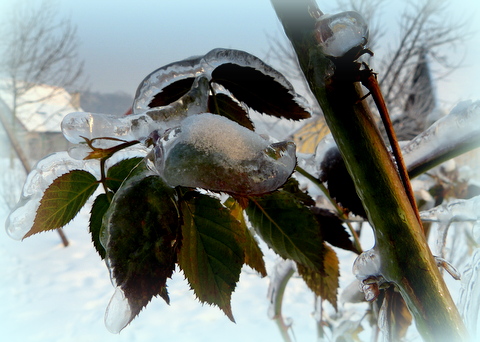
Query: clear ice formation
x: 212, y: 152
x: 460, y: 127
x: 470, y: 294
x: 38, y: 180
x: 202, y: 67
x: 282, y: 272
x: 118, y: 313
x: 367, y: 269
x: 458, y: 210
x: 341, y: 33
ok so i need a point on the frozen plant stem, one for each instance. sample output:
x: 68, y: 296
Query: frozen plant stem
x: 406, y: 258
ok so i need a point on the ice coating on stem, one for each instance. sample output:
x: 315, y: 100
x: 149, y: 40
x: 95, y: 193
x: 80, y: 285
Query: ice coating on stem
x: 282, y: 272
x: 470, y: 294
x: 118, y: 313
x: 458, y: 210
x: 341, y: 33
x: 20, y: 220
x: 212, y: 152
x: 461, y: 127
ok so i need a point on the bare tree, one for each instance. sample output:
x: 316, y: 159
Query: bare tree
x: 37, y: 48
x: 419, y: 54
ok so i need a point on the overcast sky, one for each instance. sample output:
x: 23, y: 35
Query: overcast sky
x: 123, y: 41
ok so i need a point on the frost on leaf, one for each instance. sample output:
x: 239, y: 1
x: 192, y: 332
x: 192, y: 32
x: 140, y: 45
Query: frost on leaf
x: 141, y: 225
x: 212, y: 252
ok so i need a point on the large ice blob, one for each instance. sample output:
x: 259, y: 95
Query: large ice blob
x: 212, y: 152
x: 341, y: 33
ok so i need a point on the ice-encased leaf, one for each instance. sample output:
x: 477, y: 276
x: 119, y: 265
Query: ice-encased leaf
x: 161, y: 78
x: 211, y: 255
x: 259, y: 91
x: 142, y: 224
x: 323, y: 284
x: 240, y: 72
x: 450, y: 136
x: 226, y: 106
x: 288, y: 227
x: 99, y: 208
x: 62, y: 200
x: 172, y: 92
x: 20, y: 220
x: 211, y: 152
x: 340, y: 33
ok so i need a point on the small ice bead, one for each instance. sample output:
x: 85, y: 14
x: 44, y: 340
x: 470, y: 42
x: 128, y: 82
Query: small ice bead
x: 367, y: 264
x: 339, y: 33
x: 77, y: 125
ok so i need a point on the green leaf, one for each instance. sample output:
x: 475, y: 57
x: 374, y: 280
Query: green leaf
x: 143, y: 224
x: 211, y: 256
x: 253, y: 253
x: 323, y: 284
x: 99, y: 208
x: 259, y: 90
x: 118, y: 172
x: 224, y: 105
x: 62, y: 200
x: 292, y: 186
x: 288, y: 227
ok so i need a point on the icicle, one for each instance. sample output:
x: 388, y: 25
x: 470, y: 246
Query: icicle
x: 118, y: 313
x: 42, y: 175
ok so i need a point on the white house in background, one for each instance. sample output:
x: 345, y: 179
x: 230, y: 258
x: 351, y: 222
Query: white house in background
x: 40, y: 112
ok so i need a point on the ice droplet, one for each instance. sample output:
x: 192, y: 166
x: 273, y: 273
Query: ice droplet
x: 118, y: 313
x: 367, y: 264
x: 212, y: 152
x: 339, y: 33
x: 38, y: 180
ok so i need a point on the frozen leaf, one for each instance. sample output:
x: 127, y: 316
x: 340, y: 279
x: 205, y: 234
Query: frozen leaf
x: 323, y: 284
x: 211, y: 255
x: 172, y: 92
x: 259, y: 91
x: 292, y: 186
x: 224, y: 105
x: 288, y: 227
x: 211, y: 152
x: 62, y: 200
x: 142, y: 225
x: 99, y: 208
x: 119, y: 172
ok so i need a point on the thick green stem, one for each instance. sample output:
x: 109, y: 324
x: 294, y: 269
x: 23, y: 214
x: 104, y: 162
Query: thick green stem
x: 406, y: 258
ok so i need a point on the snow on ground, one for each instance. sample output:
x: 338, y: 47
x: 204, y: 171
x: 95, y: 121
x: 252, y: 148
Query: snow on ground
x: 51, y: 293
